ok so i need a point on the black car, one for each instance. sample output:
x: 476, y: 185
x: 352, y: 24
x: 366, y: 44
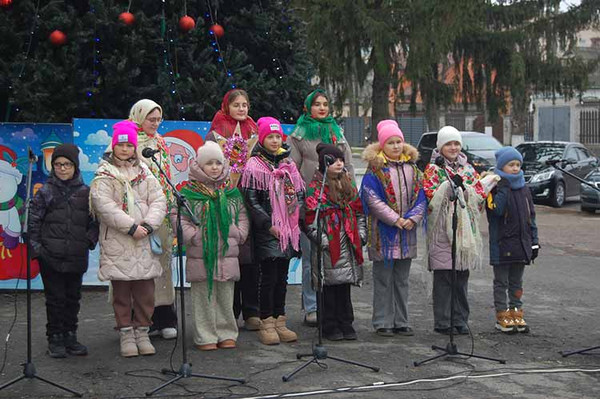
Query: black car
x: 548, y: 183
x: 478, y: 147
x: 590, y: 198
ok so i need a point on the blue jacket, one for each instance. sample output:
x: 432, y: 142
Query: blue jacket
x: 512, y: 225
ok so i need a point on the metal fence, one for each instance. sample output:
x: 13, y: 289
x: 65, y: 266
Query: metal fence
x: 589, y: 126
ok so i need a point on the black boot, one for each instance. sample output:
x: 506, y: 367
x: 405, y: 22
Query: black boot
x: 72, y: 346
x: 56, y: 346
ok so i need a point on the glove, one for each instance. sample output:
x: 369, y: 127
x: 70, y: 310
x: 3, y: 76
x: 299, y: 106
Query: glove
x: 10, y: 241
x: 535, y: 249
x: 458, y: 182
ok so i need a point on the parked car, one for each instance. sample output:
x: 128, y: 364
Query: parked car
x: 478, y: 147
x: 590, y: 198
x: 548, y: 183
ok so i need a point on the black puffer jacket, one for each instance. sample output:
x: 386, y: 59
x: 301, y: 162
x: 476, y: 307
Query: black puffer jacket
x: 258, y: 203
x: 61, y: 229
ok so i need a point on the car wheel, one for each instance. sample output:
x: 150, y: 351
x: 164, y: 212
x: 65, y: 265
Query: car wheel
x: 587, y: 210
x: 558, y: 196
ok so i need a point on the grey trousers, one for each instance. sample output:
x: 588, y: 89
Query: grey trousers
x: 442, y: 288
x: 213, y: 318
x: 390, y: 293
x: 508, y: 278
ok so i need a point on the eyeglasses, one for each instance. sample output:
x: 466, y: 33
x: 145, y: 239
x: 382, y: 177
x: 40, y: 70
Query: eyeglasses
x: 154, y: 120
x: 66, y: 165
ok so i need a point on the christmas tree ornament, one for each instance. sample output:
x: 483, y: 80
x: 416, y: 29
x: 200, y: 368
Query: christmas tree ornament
x: 5, y: 3
x: 57, y: 38
x: 127, y: 18
x: 186, y: 23
x: 217, y: 30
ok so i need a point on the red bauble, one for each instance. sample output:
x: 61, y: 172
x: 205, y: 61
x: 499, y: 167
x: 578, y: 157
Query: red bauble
x: 5, y: 3
x: 58, y: 38
x: 127, y: 18
x: 217, y: 30
x: 186, y: 23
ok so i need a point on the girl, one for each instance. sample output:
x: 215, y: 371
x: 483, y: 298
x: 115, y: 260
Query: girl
x: 438, y: 189
x: 129, y: 203
x: 343, y: 234
x: 273, y: 189
x: 513, y: 239
x: 236, y: 133
x: 61, y: 235
x: 212, y: 248
x: 394, y: 202
x: 148, y: 116
x: 315, y: 126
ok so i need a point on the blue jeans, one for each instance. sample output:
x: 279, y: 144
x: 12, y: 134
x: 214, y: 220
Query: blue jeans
x: 309, y: 296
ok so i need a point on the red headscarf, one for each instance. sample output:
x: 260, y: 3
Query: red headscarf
x: 224, y: 124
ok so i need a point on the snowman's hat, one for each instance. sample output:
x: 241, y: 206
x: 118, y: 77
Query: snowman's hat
x: 8, y: 163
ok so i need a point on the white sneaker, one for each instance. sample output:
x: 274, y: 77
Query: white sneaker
x: 169, y: 333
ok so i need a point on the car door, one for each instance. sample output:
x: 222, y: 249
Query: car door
x: 586, y: 160
x: 572, y: 166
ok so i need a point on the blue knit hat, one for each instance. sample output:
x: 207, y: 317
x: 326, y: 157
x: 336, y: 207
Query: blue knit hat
x: 506, y: 154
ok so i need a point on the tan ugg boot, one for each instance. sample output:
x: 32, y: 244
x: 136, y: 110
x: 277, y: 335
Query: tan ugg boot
x: 142, y: 340
x: 285, y: 334
x: 128, y: 346
x: 267, y: 334
x: 252, y: 324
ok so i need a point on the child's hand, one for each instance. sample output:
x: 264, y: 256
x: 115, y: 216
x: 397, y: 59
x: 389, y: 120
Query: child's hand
x: 274, y: 232
x: 400, y: 223
x: 140, y: 233
x: 408, y: 224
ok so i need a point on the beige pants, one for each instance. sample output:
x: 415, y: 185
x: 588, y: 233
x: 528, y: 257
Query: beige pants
x: 213, y: 319
x: 164, y: 293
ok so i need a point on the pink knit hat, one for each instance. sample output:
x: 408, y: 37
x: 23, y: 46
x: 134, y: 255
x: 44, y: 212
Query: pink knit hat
x: 388, y: 128
x: 125, y: 132
x: 268, y: 125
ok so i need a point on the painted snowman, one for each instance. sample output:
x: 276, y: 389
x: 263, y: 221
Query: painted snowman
x: 10, y: 202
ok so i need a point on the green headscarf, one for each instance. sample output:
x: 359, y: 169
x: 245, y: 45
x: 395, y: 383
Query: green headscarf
x: 326, y: 130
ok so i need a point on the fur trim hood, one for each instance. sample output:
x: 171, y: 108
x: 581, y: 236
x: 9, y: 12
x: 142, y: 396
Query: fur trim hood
x: 370, y: 154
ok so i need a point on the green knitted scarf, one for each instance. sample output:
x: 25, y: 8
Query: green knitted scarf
x: 326, y: 130
x: 213, y: 210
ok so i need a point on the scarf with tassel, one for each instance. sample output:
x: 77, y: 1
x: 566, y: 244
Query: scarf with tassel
x: 325, y: 130
x: 214, y: 211
x: 106, y: 170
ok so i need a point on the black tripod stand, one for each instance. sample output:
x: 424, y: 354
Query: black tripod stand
x: 319, y: 351
x: 29, y: 368
x: 451, y: 349
x: 185, y: 371
x: 555, y: 163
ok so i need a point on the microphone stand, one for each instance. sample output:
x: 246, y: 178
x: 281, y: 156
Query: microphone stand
x: 29, y: 371
x: 319, y: 352
x: 451, y: 349
x: 185, y: 371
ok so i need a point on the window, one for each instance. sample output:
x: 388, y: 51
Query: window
x: 428, y: 140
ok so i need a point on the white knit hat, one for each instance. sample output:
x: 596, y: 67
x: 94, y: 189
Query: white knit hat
x: 209, y: 151
x: 446, y: 135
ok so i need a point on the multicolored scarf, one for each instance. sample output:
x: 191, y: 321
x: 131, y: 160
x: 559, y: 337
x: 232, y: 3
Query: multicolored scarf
x: 335, y: 217
x: 164, y: 160
x: 106, y: 170
x: 325, y: 130
x: 225, y: 125
x: 378, y: 182
x: 283, y: 182
x: 214, y: 211
x: 14, y: 202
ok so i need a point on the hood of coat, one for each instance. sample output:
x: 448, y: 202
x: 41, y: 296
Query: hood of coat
x: 108, y: 157
x: 196, y: 173
x: 272, y: 158
x: 370, y: 154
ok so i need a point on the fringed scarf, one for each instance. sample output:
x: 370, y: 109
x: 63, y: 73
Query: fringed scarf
x: 378, y: 182
x: 164, y: 160
x: 335, y: 217
x: 107, y: 170
x: 225, y: 125
x: 283, y: 182
x: 325, y: 130
x: 213, y: 210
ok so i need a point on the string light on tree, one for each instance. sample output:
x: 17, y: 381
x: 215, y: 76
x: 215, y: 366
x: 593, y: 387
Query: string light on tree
x: 216, y: 31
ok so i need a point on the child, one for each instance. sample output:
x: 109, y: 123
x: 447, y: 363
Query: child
x: 130, y: 204
x: 343, y: 234
x: 274, y: 190
x: 212, y: 265
x: 394, y: 203
x: 453, y: 166
x: 61, y: 235
x: 513, y: 239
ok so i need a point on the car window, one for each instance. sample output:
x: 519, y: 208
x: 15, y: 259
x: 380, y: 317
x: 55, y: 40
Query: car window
x: 428, y: 140
x: 594, y: 176
x: 571, y: 154
x: 581, y: 154
x: 479, y: 143
x: 540, y: 153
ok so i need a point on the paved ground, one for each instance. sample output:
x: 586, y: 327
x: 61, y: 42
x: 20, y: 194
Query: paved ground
x: 561, y: 301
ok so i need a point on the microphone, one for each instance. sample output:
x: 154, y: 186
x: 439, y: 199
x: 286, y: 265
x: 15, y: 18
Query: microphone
x: 563, y: 162
x: 439, y: 161
x: 149, y: 152
x: 329, y: 160
x: 32, y: 157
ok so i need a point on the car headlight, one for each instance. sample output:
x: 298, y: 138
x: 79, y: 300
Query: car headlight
x: 542, y: 176
x: 478, y: 162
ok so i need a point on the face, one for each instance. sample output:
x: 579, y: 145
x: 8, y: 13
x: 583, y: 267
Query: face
x: 152, y: 122
x: 238, y: 108
x: 272, y: 142
x: 393, y: 148
x: 450, y: 150
x: 512, y: 168
x: 213, y: 168
x: 320, y: 107
x: 123, y: 151
x: 63, y: 168
x: 335, y: 168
